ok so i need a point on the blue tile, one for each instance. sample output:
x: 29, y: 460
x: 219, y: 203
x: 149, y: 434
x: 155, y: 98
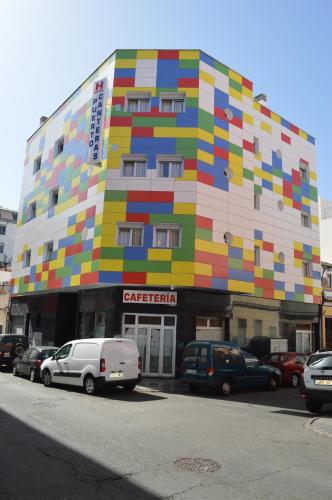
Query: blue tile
x: 311, y: 139
x: 276, y: 162
x: 207, y: 59
x: 258, y: 235
x: 205, y: 146
x: 266, y: 167
x: 76, y: 269
x: 234, y: 252
x: 66, y: 242
x: 239, y: 275
x: 287, y: 177
x: 87, y: 245
x: 66, y: 281
x: 220, y: 283
x: 285, y: 123
x: 267, y: 185
x: 167, y: 73
x: 221, y: 182
x: 221, y: 143
x: 160, y: 145
x: 187, y: 119
x: 316, y: 275
x: 221, y: 99
x: 299, y: 288
x: 188, y: 73
x: 147, y: 208
x: 135, y: 253
x: 279, y: 268
x: 307, y: 248
x: 279, y: 285
x: 289, y: 296
x: 221, y: 123
x: 110, y: 277
x: 124, y: 72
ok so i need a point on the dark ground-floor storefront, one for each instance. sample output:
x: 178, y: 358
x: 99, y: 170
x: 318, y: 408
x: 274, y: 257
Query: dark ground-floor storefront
x: 162, y: 321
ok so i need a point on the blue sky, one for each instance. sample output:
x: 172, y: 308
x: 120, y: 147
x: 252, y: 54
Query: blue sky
x: 47, y: 48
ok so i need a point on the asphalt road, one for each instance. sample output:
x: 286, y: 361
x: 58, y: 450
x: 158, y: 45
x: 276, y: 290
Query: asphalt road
x: 61, y: 444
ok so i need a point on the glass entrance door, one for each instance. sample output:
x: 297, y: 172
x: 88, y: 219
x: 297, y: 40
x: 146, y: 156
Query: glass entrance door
x: 156, y: 344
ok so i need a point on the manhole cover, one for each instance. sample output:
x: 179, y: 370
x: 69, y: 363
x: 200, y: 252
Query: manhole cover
x: 197, y: 464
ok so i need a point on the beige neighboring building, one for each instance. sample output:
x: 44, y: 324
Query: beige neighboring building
x: 4, y: 299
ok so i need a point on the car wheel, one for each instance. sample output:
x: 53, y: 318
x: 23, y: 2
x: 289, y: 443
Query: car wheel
x: 15, y: 371
x: 129, y: 387
x: 273, y: 384
x: 295, y: 380
x: 89, y: 385
x: 18, y: 350
x: 195, y: 389
x: 225, y: 388
x: 33, y: 376
x: 313, y: 406
x: 47, y: 378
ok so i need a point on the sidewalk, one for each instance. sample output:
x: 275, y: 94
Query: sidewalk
x: 163, y: 385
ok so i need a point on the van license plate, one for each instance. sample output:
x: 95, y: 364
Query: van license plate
x: 6, y: 355
x: 116, y: 375
x: 323, y: 382
x: 192, y: 372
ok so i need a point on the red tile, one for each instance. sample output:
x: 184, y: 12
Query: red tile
x: 168, y: 54
x: 120, y: 121
x: 304, y: 161
x: 247, y: 83
x: 188, y: 82
x: 248, y: 265
x: 249, y: 146
x: 156, y: 114
x: 74, y: 249
x: 316, y: 259
x: 210, y: 258
x: 204, y: 222
x: 298, y: 254
x: 237, y: 122
x: 265, y: 111
x: 79, y: 227
x: 142, y: 132
x: 268, y: 247
x: 89, y: 278
x: 190, y: 164
x: 296, y: 177
x: 151, y: 196
x: 287, y: 189
x: 205, y: 178
x: 268, y: 293
x: 294, y: 129
x: 317, y: 299
x: 221, y: 153
x: 124, y: 82
x: 145, y: 218
x: 135, y: 278
x: 91, y: 212
x: 38, y: 276
x: 54, y: 283
x: 297, y: 205
x: 96, y: 253
x: 45, y: 267
x: 264, y: 283
x: 26, y: 279
x: 203, y: 281
x: 220, y: 272
x: 51, y: 274
x: 219, y: 113
x: 118, y: 100
x: 285, y: 138
x: 308, y: 290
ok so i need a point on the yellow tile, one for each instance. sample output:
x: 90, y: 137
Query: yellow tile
x: 256, y: 105
x: 312, y: 175
x: 203, y: 269
x: 298, y: 245
x: 317, y: 291
x: 277, y: 189
x: 258, y: 243
x: 258, y: 272
x: 279, y: 294
x: 237, y: 242
x: 147, y: 54
x: 159, y: 254
x: 315, y: 251
x: 183, y: 267
x: 109, y: 230
x: 204, y: 246
x: 110, y: 218
x: 236, y: 94
x: 164, y: 132
x: 235, y: 76
x: 115, y: 206
x: 307, y: 281
x: 298, y: 263
x: 241, y: 286
x: 111, y: 265
x: 31, y: 287
x: 223, y: 134
x: 71, y: 230
x: 263, y: 175
x: 276, y: 118
x: 182, y: 280
x: 108, y: 240
x: 187, y: 132
x: 235, y: 159
x: 315, y: 220
x: 204, y: 156
x: 287, y: 201
x: 158, y: 279
x: 86, y: 267
x: 75, y: 280
x: 125, y: 63
x: 303, y: 134
x: 237, y: 180
x: 218, y: 248
x: 101, y: 186
x: 184, y: 208
x: 44, y: 276
x: 204, y: 136
x: 189, y: 175
x: 266, y: 127
x: 247, y: 92
x: 98, y: 219
x: 248, y: 254
x: 120, y: 132
x: 190, y: 92
x: 97, y: 242
x: 248, y: 118
x: 189, y: 54
x: 206, y: 78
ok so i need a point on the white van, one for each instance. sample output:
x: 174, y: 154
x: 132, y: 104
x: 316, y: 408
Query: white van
x: 89, y: 363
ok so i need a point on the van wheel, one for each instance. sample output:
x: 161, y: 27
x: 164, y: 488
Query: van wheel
x: 89, y: 385
x: 33, y: 376
x: 226, y: 388
x: 47, y: 378
x: 195, y: 389
x: 129, y: 387
x: 295, y: 380
x: 273, y: 384
x: 312, y: 406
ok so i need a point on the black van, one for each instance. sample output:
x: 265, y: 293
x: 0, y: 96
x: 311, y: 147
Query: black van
x: 11, y: 346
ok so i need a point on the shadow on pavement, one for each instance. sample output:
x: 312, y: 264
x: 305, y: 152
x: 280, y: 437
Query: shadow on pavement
x: 34, y: 465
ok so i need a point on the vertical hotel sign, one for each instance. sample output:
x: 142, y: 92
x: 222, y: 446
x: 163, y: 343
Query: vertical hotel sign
x: 95, y: 150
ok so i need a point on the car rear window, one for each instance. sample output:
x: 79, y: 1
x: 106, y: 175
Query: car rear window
x: 191, y: 353
x: 320, y: 361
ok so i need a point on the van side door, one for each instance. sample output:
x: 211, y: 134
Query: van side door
x: 60, y: 367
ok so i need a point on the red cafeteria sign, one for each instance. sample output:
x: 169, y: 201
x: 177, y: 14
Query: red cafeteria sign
x: 149, y: 297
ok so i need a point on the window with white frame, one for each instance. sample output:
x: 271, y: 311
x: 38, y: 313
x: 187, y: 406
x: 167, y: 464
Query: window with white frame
x: 256, y: 145
x: 37, y: 164
x: 26, y: 258
x: 48, y: 251
x: 172, y: 103
x: 138, y: 102
x: 306, y: 269
x: 134, y: 166
x: 130, y: 235
x: 2, y: 229
x: 305, y: 220
x: 304, y: 170
x: 170, y: 167
x: 2, y: 248
x: 167, y: 236
x: 54, y: 197
x: 32, y: 210
x: 257, y: 256
x: 257, y: 201
x: 58, y: 147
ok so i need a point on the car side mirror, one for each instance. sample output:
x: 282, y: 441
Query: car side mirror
x: 53, y: 357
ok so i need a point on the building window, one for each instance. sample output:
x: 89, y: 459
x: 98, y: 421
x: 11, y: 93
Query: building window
x: 59, y: 145
x: 256, y: 146
x: 48, y: 251
x: 27, y: 258
x: 166, y: 237
x: 32, y: 209
x: 170, y: 168
x: 257, y: 256
x: 2, y: 229
x: 328, y: 283
x: 258, y: 327
x: 54, y: 197
x: 130, y: 236
x: 138, y: 102
x: 37, y: 164
x: 304, y: 170
x: 306, y: 268
x: 257, y: 201
x: 2, y: 247
x: 305, y: 220
x: 172, y: 103
x: 242, y: 332
x: 134, y: 167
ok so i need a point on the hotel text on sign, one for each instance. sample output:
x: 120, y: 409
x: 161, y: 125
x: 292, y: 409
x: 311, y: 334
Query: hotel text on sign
x: 97, y: 121
x: 149, y: 297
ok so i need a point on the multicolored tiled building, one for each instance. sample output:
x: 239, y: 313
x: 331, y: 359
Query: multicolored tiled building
x: 204, y: 202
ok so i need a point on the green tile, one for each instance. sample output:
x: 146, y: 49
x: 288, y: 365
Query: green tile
x: 220, y: 67
x: 203, y: 234
x: 235, y: 263
x: 158, y: 266
x: 307, y: 256
x: 248, y: 174
x: 79, y: 258
x: 185, y: 220
x: 111, y: 253
x: 97, y: 230
x: 186, y: 147
x: 276, y: 172
x: 258, y: 189
x: 313, y: 193
x: 235, y: 85
x: 205, y: 121
x: 160, y: 90
x: 115, y: 195
x: 236, y: 150
x: 183, y: 255
x: 64, y: 271
x: 296, y: 189
x: 189, y: 64
x: 126, y: 54
x: 95, y: 266
x: 145, y: 121
x: 192, y: 102
x: 258, y: 292
x: 268, y: 274
x: 299, y: 297
x: 139, y: 266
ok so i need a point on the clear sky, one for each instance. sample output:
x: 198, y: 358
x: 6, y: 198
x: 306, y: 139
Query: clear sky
x: 48, y: 47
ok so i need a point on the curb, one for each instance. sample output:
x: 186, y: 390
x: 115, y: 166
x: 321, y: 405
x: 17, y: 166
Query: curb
x: 308, y: 426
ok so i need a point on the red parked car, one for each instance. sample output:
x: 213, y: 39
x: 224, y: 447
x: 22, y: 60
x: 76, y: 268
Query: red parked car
x: 291, y: 365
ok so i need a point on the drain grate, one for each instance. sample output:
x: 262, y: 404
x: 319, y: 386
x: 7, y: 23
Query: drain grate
x: 197, y: 464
